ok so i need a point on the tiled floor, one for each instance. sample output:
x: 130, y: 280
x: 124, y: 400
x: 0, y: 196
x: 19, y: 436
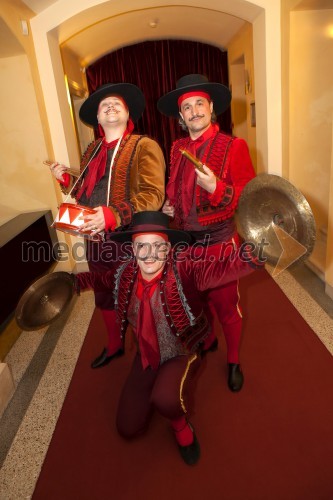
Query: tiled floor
x: 42, y: 363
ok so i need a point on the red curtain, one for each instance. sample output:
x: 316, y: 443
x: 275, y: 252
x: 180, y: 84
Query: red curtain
x: 155, y: 66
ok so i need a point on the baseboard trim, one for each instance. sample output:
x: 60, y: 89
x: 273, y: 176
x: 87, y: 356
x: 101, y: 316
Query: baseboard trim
x: 329, y: 290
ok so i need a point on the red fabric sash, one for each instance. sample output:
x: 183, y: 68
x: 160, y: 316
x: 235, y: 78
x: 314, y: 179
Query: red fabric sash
x: 162, y: 235
x: 145, y: 327
x: 193, y: 94
x: 185, y: 201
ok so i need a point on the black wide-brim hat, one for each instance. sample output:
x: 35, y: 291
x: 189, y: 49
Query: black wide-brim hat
x: 131, y: 94
x: 151, y: 222
x: 219, y: 93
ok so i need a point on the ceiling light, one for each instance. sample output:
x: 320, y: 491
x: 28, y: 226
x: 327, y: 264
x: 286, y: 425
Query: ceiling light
x: 153, y: 23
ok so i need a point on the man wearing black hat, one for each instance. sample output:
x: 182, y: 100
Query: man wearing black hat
x: 121, y: 173
x: 157, y: 293
x: 204, y: 202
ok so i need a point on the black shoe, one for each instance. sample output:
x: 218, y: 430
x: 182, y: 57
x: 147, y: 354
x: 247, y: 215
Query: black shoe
x: 213, y: 347
x: 235, y: 377
x: 103, y: 359
x: 191, y: 453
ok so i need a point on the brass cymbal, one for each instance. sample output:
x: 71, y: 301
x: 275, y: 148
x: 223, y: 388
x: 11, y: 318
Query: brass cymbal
x: 271, y: 209
x: 44, y: 301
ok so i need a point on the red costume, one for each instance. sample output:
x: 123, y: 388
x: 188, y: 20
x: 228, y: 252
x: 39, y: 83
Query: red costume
x: 167, y: 315
x: 123, y: 179
x: 170, y: 343
x: 179, y: 303
x: 209, y: 217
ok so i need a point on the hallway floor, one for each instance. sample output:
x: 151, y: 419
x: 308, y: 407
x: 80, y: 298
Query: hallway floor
x: 42, y: 364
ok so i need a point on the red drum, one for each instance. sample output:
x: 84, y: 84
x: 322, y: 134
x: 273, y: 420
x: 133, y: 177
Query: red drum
x: 71, y: 217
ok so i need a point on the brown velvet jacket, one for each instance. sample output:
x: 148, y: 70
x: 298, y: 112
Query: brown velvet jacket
x: 137, y: 180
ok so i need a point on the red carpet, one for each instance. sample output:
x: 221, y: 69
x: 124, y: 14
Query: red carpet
x: 271, y: 441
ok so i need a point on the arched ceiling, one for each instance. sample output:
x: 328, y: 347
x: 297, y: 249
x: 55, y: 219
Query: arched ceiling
x: 108, y: 25
x: 94, y: 32
x: 94, y: 39
x: 192, y: 23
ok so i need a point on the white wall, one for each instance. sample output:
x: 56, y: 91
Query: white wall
x: 25, y: 183
x: 311, y: 107
x: 240, y: 59
x: 310, y: 115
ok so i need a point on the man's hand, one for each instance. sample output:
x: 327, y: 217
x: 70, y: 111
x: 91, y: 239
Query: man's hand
x: 208, y: 180
x: 168, y: 209
x: 57, y: 169
x: 95, y: 222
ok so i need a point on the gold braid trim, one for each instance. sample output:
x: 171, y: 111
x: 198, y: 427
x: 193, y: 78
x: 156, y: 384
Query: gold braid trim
x: 182, y: 382
x: 238, y: 308
x: 238, y: 294
x: 120, y: 177
x: 120, y: 189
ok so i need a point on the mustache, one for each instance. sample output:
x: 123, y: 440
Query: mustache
x: 152, y: 258
x: 196, y: 116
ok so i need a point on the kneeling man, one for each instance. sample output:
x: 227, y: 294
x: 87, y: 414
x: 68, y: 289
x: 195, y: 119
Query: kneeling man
x: 157, y: 292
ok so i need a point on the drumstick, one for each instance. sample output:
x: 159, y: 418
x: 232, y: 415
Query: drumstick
x: 69, y: 170
x: 197, y: 163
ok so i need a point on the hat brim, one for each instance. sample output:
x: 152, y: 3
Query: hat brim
x: 175, y: 236
x: 131, y: 94
x: 219, y: 93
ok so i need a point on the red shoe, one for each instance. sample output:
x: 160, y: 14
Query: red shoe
x: 191, y: 453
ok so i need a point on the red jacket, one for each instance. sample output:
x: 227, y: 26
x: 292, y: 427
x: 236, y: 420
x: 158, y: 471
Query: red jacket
x: 181, y: 283
x: 228, y: 157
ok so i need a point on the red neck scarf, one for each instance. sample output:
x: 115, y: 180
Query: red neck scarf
x: 145, y: 326
x: 97, y: 166
x: 212, y: 130
x: 189, y: 176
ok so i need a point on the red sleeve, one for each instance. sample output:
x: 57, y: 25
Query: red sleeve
x: 100, y: 282
x: 65, y: 182
x: 216, y: 197
x: 210, y: 274
x: 110, y: 220
x: 239, y: 171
